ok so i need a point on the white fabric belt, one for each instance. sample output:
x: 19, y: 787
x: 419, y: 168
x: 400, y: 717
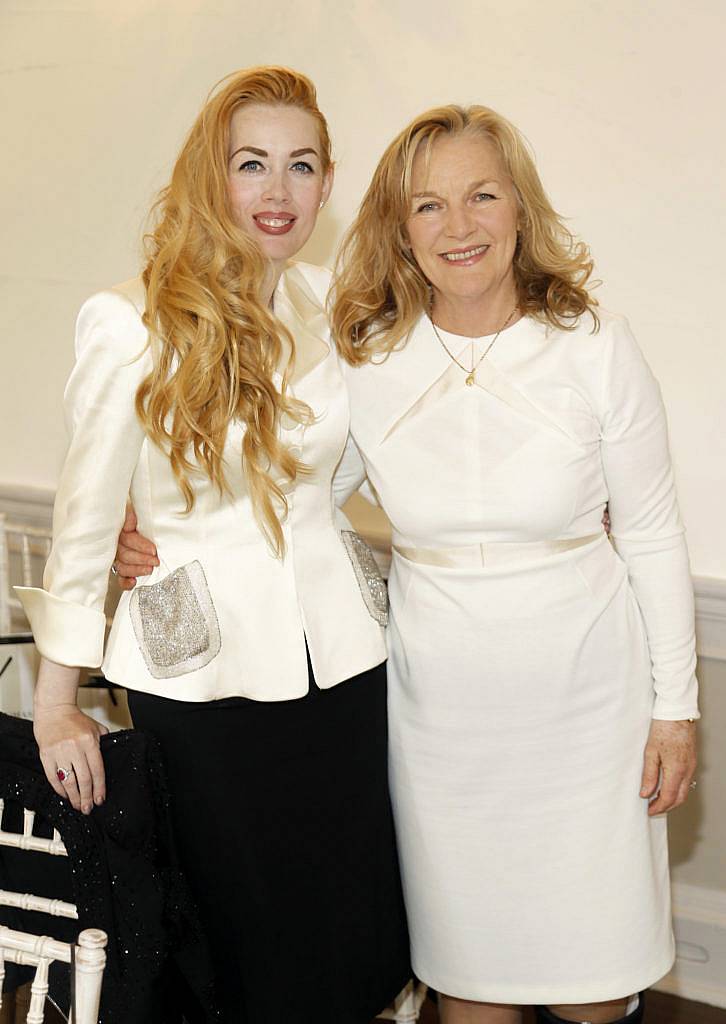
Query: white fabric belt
x: 491, y: 555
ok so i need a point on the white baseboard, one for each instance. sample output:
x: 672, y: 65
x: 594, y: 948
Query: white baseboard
x: 699, y: 972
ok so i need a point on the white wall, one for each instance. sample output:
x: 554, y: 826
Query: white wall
x: 619, y: 98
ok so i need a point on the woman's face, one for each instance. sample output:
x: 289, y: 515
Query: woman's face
x: 463, y: 222
x: 275, y: 176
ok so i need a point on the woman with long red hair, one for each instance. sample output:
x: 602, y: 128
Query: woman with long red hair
x: 209, y: 390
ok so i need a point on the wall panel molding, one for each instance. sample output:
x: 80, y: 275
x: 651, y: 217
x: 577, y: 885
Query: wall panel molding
x: 699, y: 921
x: 710, y: 617
x: 30, y: 505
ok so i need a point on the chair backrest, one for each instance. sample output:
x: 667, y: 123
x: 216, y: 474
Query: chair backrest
x: 26, y: 542
x: 87, y: 958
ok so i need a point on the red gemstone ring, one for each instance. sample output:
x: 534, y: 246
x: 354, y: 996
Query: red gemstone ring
x: 64, y: 773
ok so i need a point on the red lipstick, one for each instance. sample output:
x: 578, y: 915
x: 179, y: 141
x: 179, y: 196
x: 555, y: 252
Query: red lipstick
x: 274, y: 222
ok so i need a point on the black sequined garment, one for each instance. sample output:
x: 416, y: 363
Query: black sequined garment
x: 122, y: 874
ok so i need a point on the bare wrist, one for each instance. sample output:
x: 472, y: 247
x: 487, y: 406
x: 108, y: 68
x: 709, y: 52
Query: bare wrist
x: 56, y: 687
x: 45, y: 703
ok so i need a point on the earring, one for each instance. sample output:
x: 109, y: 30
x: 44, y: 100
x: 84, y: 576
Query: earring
x: 322, y: 204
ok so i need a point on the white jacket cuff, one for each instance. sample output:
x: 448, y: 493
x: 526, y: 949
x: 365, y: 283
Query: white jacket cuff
x: 64, y: 632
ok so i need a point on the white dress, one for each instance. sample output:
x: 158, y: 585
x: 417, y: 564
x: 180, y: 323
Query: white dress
x: 521, y: 689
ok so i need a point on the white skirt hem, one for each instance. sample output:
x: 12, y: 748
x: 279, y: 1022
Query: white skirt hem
x: 594, y: 991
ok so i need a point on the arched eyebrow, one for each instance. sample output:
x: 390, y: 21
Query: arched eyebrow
x: 469, y: 188
x: 263, y: 152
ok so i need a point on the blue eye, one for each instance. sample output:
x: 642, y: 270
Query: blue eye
x: 484, y: 195
x: 424, y: 207
x: 250, y: 166
x: 304, y: 166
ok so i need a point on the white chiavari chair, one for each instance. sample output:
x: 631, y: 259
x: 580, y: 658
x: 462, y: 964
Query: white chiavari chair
x: 87, y: 958
x: 18, y: 540
x: 24, y: 550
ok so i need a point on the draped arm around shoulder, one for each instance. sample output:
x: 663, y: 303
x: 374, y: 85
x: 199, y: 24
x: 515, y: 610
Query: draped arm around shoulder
x: 646, y: 527
x: 67, y: 616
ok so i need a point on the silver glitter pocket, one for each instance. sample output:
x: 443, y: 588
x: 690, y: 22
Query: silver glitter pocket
x: 175, y: 623
x: 372, y: 585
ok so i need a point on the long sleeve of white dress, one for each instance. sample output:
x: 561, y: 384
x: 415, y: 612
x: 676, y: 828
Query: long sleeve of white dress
x: 647, y: 531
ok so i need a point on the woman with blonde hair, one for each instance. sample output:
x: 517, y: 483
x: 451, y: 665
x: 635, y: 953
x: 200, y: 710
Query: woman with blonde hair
x: 542, y: 694
x: 210, y: 392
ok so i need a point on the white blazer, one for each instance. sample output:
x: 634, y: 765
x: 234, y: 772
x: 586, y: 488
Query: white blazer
x: 220, y: 616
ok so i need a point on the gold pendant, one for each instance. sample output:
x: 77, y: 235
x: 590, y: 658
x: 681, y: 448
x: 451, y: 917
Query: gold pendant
x: 470, y: 379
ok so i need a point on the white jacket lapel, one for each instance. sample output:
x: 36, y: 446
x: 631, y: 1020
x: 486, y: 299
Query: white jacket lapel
x: 299, y: 309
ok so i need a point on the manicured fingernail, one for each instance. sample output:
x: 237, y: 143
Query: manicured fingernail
x: 87, y: 808
x: 99, y: 801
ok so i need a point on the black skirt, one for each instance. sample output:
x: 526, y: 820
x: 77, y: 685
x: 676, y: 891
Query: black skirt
x: 283, y: 821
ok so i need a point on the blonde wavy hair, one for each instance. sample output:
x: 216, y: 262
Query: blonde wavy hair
x: 380, y: 292
x: 215, y: 342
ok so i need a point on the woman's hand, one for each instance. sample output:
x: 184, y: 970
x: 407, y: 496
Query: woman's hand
x: 69, y: 740
x: 135, y: 555
x: 669, y: 764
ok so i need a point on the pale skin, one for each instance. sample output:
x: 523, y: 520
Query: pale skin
x: 467, y: 204
x: 276, y: 187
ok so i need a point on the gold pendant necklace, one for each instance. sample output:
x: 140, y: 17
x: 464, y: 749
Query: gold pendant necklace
x: 470, y: 379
